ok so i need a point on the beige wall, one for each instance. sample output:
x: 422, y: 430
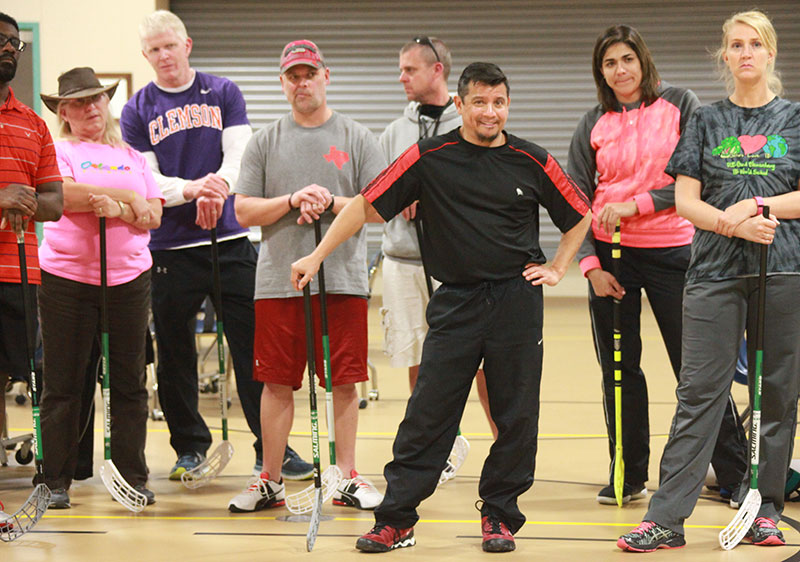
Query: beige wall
x: 73, y: 33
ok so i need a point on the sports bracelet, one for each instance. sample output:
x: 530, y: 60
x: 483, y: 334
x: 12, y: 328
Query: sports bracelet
x: 759, y: 204
x: 330, y: 207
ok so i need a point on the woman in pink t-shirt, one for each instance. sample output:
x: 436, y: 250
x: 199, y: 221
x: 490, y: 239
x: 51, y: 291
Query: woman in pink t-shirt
x: 103, y: 177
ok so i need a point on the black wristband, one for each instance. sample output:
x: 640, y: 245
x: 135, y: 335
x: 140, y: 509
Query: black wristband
x: 330, y: 207
x: 290, y: 201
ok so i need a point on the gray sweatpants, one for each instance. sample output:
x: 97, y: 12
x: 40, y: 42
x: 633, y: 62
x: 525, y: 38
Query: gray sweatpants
x: 715, y: 314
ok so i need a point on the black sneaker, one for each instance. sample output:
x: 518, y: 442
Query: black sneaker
x: 606, y: 495
x: 764, y: 532
x: 650, y: 536
x: 59, y: 499
x: 295, y: 468
x: 383, y: 538
x: 151, y: 497
x: 496, y: 536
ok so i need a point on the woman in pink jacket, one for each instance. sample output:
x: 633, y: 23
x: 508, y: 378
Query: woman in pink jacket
x: 617, y: 155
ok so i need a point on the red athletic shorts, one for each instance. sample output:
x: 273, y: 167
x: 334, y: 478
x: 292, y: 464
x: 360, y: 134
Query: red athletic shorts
x: 279, y: 354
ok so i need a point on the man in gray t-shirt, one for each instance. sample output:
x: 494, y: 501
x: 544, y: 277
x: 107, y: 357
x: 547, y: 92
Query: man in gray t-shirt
x: 304, y: 167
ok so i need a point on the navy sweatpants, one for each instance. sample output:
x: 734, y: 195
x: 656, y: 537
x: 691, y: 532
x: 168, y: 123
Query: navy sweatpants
x: 182, y: 279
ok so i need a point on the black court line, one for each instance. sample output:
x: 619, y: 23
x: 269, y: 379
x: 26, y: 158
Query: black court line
x: 215, y: 534
x: 583, y: 539
x: 793, y: 558
x: 796, y: 526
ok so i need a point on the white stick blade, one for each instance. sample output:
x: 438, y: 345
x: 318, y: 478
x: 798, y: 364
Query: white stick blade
x: 303, y: 501
x: 313, y: 525
x: 457, y: 457
x: 120, y: 490
x: 205, y: 472
x: 23, y: 520
x: 733, y: 534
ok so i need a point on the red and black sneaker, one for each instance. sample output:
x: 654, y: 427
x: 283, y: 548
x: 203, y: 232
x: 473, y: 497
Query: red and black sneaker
x: 383, y: 538
x: 496, y: 536
x: 764, y: 532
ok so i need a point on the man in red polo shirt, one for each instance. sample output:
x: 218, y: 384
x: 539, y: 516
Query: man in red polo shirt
x: 30, y: 187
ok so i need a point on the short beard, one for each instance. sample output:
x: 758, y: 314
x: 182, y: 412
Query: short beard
x: 487, y: 139
x: 7, y: 71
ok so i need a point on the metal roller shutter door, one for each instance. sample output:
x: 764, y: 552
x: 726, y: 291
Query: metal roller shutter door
x: 544, y: 47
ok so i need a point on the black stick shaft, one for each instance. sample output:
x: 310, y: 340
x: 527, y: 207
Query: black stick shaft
x: 418, y: 227
x: 30, y: 348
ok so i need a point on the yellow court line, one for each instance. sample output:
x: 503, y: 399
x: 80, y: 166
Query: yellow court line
x: 361, y: 519
x: 393, y: 434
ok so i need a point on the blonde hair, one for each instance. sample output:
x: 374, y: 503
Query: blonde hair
x: 161, y: 21
x: 761, y: 23
x: 111, y: 134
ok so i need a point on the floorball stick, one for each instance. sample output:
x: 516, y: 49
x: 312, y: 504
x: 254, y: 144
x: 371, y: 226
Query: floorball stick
x: 216, y: 462
x: 619, y: 463
x: 116, y: 485
x: 303, y: 501
x: 316, y: 512
x: 731, y: 535
x: 26, y: 517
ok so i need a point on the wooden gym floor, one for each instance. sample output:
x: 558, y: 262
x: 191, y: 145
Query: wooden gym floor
x: 564, y: 520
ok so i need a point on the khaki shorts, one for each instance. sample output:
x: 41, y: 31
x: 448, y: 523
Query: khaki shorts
x: 405, y: 298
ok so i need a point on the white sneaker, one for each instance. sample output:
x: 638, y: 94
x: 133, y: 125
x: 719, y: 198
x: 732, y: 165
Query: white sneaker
x: 357, y: 492
x: 261, y: 493
x: 6, y: 523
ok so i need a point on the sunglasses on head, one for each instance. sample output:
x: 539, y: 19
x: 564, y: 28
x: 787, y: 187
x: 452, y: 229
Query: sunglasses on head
x: 424, y: 40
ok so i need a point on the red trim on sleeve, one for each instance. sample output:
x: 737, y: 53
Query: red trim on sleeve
x: 568, y: 189
x: 386, y: 178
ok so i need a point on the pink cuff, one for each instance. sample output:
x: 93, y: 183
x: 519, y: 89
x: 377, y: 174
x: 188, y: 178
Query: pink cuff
x: 589, y: 263
x: 644, y: 203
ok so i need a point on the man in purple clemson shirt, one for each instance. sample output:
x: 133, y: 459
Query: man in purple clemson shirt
x: 192, y: 127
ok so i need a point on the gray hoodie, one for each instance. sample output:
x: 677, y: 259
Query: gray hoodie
x: 399, y: 240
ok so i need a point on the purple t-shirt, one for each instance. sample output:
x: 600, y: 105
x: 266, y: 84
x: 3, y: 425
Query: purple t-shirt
x: 184, y: 130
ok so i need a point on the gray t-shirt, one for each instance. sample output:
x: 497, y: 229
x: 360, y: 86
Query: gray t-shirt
x: 284, y: 157
x: 738, y: 153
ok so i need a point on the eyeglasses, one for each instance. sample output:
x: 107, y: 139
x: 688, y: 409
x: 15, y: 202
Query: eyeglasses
x: 424, y: 40
x: 16, y: 42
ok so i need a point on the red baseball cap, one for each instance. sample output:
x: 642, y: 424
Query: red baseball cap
x: 301, y: 52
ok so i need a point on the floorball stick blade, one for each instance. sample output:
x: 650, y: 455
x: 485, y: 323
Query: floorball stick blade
x: 313, y: 525
x: 303, y: 501
x: 27, y: 516
x: 732, y: 535
x: 205, y: 472
x: 120, y: 490
x: 457, y: 457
